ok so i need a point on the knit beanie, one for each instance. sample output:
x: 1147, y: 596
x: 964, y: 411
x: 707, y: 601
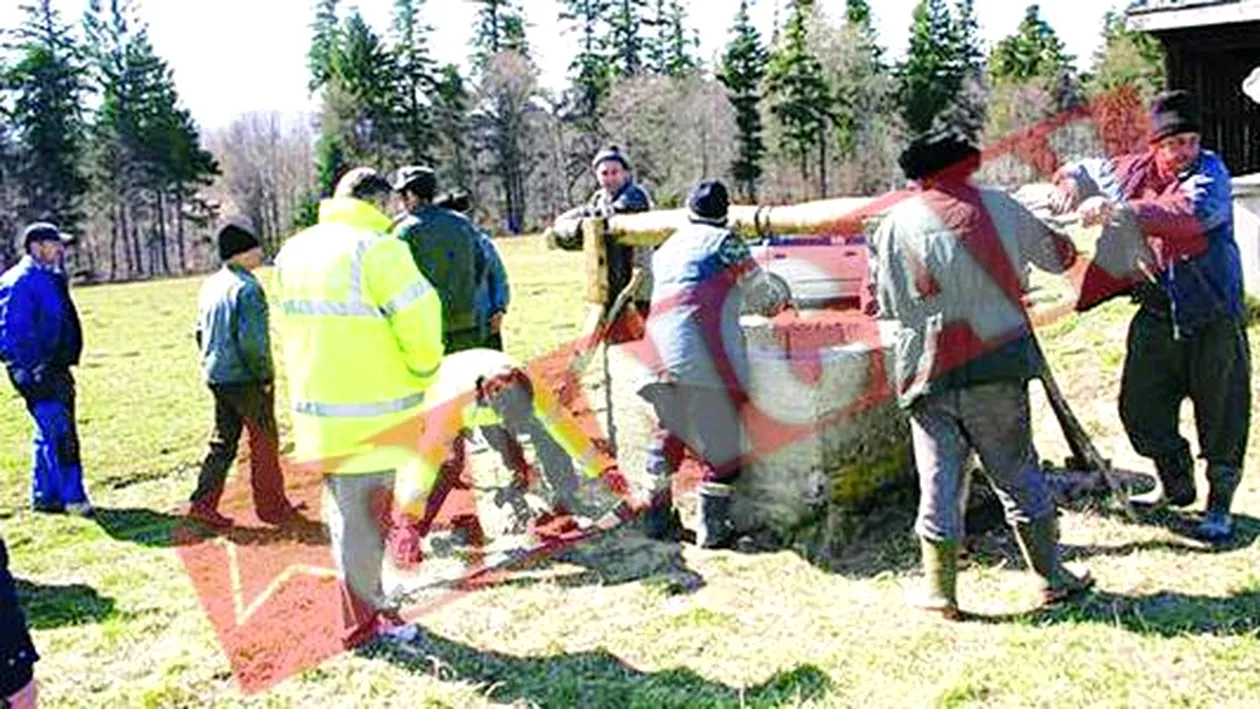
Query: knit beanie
x: 234, y: 239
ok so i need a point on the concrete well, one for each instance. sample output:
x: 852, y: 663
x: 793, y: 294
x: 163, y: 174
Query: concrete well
x: 823, y: 437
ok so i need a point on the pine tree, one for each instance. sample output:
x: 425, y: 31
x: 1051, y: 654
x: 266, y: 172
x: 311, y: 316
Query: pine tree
x: 940, y: 78
x: 858, y: 14
x: 800, y: 98
x: 414, y: 80
x: 326, y: 39
x: 590, y: 70
x: 743, y: 67
x: 1033, y: 51
x: 678, y: 44
x: 452, y: 106
x: 1126, y: 59
x: 625, y: 20
x: 362, y: 95
x: 500, y: 28
x: 47, y: 85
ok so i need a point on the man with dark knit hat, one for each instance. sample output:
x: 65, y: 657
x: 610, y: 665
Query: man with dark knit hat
x: 950, y: 265
x: 233, y: 336
x: 1188, y: 337
x: 40, y: 340
x: 697, y: 376
x: 447, y: 249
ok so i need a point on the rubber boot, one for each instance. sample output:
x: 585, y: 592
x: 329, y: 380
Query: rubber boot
x: 940, y: 579
x: 1217, y: 524
x: 1176, y: 483
x: 661, y: 521
x: 1039, y: 542
x: 716, y: 530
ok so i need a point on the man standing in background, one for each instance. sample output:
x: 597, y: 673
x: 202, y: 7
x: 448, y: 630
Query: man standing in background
x: 40, y: 340
x: 446, y: 248
x: 234, y: 337
x: 618, y: 193
x: 493, y: 293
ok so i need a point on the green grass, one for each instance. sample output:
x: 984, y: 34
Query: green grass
x: 118, y: 623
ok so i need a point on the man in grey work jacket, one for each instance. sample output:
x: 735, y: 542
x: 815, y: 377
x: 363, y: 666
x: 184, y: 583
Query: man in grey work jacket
x: 235, y: 344
x: 950, y: 265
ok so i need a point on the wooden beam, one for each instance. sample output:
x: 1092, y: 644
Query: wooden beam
x: 840, y: 216
x: 593, y: 230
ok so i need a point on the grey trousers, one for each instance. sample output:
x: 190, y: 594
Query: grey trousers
x: 992, y: 420
x: 360, y: 505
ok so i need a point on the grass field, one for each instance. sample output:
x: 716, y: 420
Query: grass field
x: 116, y: 619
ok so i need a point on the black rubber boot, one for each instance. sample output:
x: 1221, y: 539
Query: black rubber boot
x: 1176, y: 483
x: 940, y: 579
x: 1039, y: 541
x: 716, y: 530
x: 661, y: 522
x: 1217, y: 524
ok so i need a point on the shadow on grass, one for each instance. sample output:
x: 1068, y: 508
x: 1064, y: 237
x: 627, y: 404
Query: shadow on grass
x: 589, y: 679
x: 1166, y: 614
x: 159, y: 529
x: 50, y: 606
x: 622, y: 556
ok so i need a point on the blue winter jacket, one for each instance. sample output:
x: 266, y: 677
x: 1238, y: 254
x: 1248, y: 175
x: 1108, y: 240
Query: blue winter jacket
x: 1194, y: 216
x: 39, y: 325
x: 232, y: 328
x: 493, y: 293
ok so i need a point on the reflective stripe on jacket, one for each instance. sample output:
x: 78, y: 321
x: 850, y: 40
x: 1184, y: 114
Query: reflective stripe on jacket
x: 362, y: 340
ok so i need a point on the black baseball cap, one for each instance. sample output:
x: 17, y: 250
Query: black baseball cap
x: 44, y: 231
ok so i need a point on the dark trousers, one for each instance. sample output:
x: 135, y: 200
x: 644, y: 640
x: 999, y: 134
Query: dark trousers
x: 1212, y: 368
x: 57, y: 478
x: 493, y: 341
x: 236, y: 407
x: 702, y: 419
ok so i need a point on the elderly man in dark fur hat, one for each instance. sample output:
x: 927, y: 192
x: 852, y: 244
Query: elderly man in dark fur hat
x: 1188, y: 338
x: 949, y: 268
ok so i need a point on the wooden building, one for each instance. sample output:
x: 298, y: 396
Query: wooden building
x: 1210, y: 47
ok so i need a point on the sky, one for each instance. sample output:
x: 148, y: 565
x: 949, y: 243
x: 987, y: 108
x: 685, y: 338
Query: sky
x: 234, y: 56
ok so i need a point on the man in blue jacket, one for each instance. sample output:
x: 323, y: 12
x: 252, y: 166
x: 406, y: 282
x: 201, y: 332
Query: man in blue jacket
x: 493, y: 293
x: 1188, y: 337
x: 40, y: 340
x: 235, y: 343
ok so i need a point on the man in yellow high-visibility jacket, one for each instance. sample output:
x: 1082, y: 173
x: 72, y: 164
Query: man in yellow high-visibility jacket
x: 362, y: 341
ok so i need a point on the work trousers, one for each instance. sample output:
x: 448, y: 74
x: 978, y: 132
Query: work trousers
x: 357, y: 509
x: 57, y: 478
x: 251, y: 407
x: 702, y: 419
x: 1212, y: 367
x: 992, y: 420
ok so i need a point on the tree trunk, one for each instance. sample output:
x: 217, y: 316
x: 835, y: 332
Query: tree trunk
x: 113, y: 243
x: 136, y: 247
x: 179, y: 229
x: 161, y: 232
x: 822, y: 162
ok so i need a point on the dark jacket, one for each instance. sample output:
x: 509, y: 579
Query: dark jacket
x: 39, y: 325
x: 446, y: 248
x: 493, y: 292
x: 631, y: 198
x: 233, y: 328
x: 1189, y: 223
x: 17, y: 652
